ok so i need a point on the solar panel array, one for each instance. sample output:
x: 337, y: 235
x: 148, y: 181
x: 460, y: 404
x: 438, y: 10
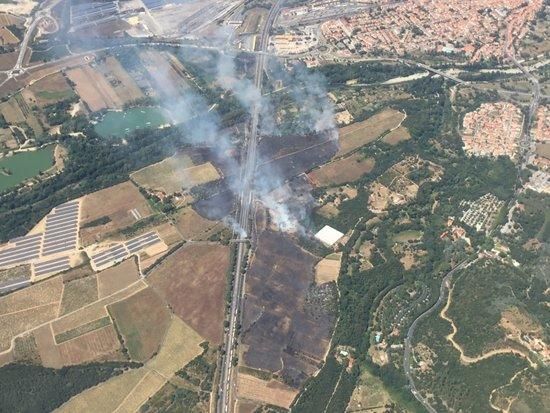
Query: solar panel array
x: 122, y: 251
x: 93, y: 11
x: 154, y: 4
x: 25, y: 250
x: 59, y: 236
x: 61, y: 232
x: 52, y: 266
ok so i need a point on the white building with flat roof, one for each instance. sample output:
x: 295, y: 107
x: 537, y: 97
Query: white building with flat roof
x: 329, y: 236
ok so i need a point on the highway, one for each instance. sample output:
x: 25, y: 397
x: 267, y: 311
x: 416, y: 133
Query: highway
x: 226, y: 384
x: 445, y: 285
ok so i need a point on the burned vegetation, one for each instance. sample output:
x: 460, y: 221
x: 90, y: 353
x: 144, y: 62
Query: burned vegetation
x: 287, y: 322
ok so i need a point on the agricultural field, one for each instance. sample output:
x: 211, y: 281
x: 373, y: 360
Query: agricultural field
x: 8, y: 60
x: 48, y: 90
x: 342, y: 170
x: 397, y: 136
x: 371, y: 395
x: 283, y: 307
x: 166, y: 73
x: 65, y: 320
x: 94, y: 89
x: 27, y: 309
x: 128, y: 391
x: 181, y: 278
x: 142, y: 320
x: 266, y: 392
x: 8, y: 19
x: 123, y: 84
x: 194, y: 227
x: 328, y: 268
x: 361, y: 133
x: 7, y: 37
x: 16, y: 111
x: 78, y: 292
x: 110, y: 210
x: 7, y: 140
x: 83, y: 332
x: 117, y: 278
x: 175, y: 174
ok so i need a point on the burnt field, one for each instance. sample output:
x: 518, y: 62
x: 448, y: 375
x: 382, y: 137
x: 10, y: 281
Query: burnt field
x: 291, y: 155
x: 287, y: 320
x: 280, y: 158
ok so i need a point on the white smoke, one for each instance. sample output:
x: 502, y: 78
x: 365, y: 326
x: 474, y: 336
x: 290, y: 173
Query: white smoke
x: 203, y: 128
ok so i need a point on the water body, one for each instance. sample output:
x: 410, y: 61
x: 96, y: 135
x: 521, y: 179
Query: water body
x: 119, y: 124
x: 24, y: 165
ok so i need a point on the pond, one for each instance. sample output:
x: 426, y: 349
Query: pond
x: 23, y: 165
x: 118, y: 124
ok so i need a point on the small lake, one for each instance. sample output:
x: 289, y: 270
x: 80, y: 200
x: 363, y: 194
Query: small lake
x: 118, y: 124
x: 21, y: 166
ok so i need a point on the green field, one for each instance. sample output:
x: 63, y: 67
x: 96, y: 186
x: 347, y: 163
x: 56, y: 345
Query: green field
x: 55, y: 95
x: 15, y: 169
x: 119, y: 124
x: 409, y: 235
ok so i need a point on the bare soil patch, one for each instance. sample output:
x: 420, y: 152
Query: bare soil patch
x: 113, y: 206
x: 269, y: 392
x: 341, y: 171
x: 15, y: 273
x: 194, y: 227
x: 192, y: 280
x: 118, y: 277
x: 361, y: 133
x: 166, y: 72
x: 396, y: 136
x: 8, y: 60
x: 328, y: 268
x: 123, y: 84
x: 94, y: 89
x: 175, y: 174
x: 543, y: 149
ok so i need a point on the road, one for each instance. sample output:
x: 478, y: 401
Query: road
x: 526, y: 142
x: 226, y: 384
x: 37, y: 18
x: 445, y: 285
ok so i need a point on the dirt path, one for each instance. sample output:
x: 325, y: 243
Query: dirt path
x: 464, y: 359
x: 510, y: 402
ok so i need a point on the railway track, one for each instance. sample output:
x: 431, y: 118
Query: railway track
x: 226, y: 384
